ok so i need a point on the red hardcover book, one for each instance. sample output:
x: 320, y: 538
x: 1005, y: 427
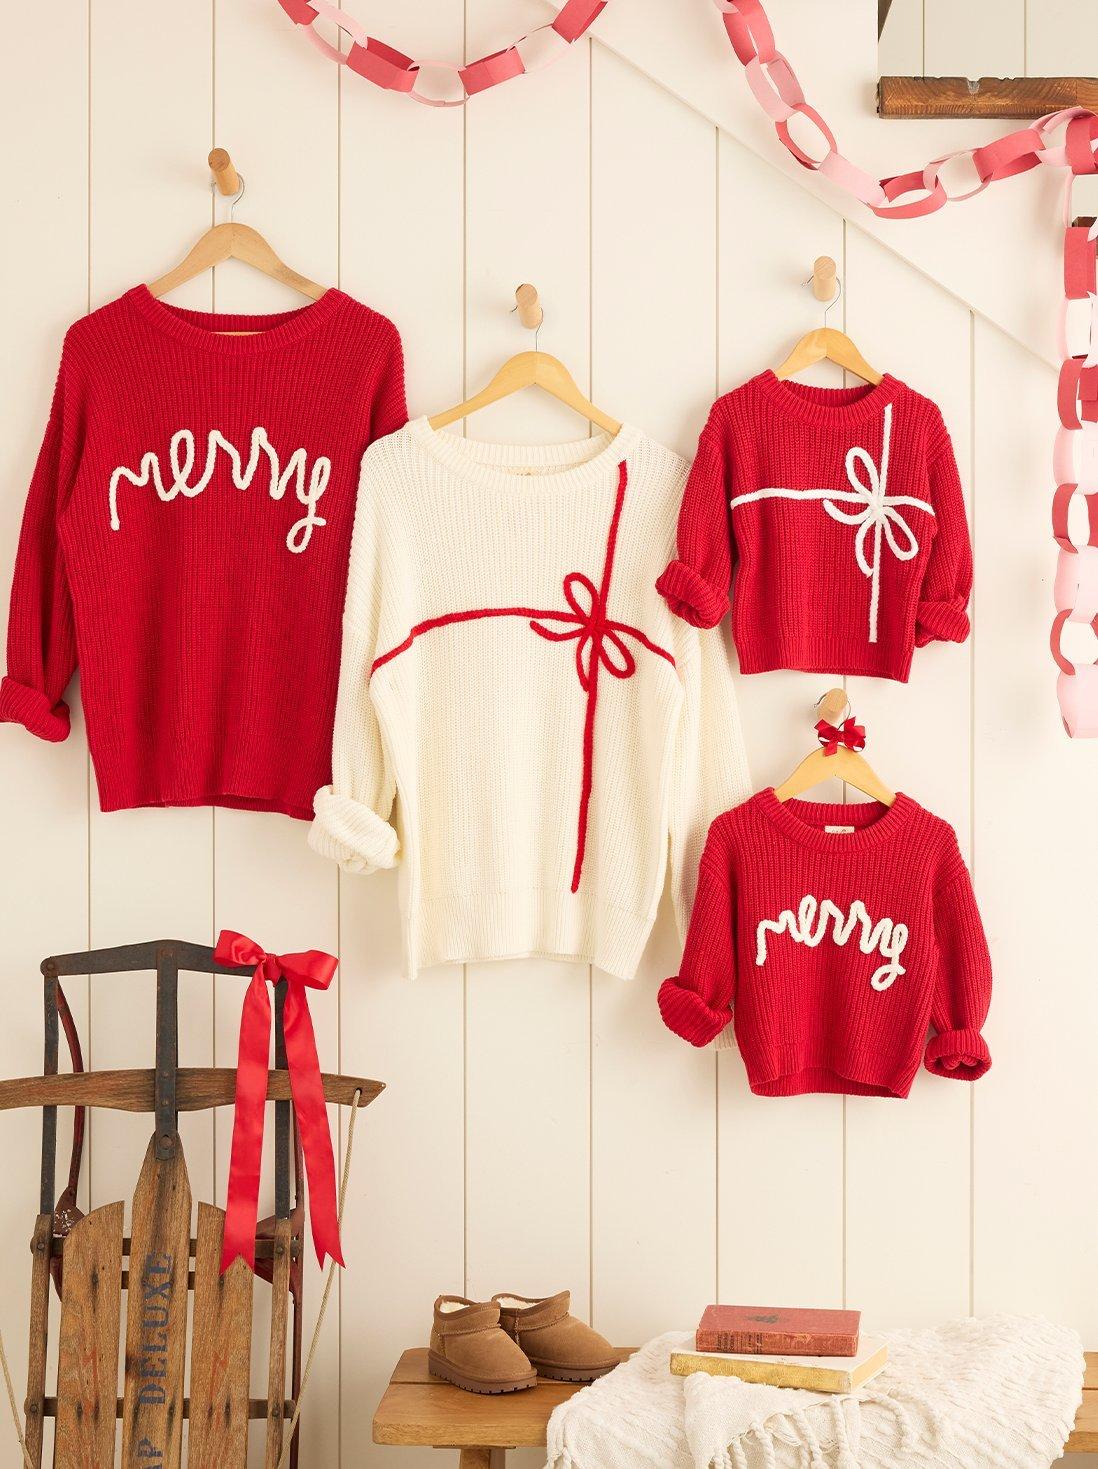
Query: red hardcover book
x: 779, y: 1331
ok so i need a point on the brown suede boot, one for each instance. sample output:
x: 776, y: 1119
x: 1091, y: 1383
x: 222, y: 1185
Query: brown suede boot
x: 469, y: 1349
x: 557, y: 1344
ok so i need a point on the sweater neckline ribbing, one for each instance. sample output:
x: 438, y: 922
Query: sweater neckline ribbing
x: 804, y: 821
x: 578, y: 463
x: 204, y: 328
x: 821, y: 406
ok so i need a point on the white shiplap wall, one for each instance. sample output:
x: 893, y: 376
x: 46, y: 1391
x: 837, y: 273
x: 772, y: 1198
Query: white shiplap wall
x: 541, y: 1129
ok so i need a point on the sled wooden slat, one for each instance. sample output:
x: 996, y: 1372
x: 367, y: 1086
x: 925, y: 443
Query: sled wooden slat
x: 221, y: 1347
x: 35, y: 1406
x: 276, y: 1380
x: 156, y: 1313
x: 88, y: 1339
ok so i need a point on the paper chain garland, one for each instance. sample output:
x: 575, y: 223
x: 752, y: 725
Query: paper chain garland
x: 442, y: 83
x: 910, y: 195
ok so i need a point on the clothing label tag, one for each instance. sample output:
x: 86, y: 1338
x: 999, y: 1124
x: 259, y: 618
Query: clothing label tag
x: 840, y: 831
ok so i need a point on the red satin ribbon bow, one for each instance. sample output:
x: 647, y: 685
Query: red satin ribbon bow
x: 848, y: 733
x: 310, y: 970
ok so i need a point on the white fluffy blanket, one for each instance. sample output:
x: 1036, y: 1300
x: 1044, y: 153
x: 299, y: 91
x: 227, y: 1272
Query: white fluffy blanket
x: 999, y: 1392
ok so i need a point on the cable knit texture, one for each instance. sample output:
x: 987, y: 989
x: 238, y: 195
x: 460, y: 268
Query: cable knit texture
x: 829, y: 938
x: 510, y: 672
x: 186, y: 538
x: 838, y: 516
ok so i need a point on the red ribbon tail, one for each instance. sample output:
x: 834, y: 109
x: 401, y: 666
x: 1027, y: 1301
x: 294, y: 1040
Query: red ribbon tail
x: 312, y: 1122
x: 242, y: 1199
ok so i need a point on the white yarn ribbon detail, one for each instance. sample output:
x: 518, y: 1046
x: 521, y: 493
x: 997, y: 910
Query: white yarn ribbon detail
x: 876, y: 513
x: 309, y: 485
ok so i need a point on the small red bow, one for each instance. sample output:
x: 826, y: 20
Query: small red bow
x: 848, y: 733
x: 312, y: 969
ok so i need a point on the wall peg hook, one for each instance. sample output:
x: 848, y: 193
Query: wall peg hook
x: 225, y: 175
x: 528, y: 307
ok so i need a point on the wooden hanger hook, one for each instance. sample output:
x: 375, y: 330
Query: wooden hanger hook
x: 824, y: 272
x: 529, y: 308
x: 833, y: 705
x: 225, y: 175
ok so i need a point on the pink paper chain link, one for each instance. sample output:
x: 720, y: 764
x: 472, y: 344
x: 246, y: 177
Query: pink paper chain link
x: 442, y: 83
x: 909, y: 195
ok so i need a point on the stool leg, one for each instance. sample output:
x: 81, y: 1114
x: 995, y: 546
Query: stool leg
x: 482, y: 1459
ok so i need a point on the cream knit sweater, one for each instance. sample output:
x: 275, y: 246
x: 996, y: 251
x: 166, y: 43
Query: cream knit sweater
x: 511, y: 674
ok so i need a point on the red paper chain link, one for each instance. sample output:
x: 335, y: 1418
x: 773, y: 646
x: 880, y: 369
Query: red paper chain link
x: 442, y: 83
x: 907, y: 196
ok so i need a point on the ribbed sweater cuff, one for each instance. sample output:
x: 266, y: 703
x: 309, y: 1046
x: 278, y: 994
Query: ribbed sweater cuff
x: 686, y: 1013
x: 690, y: 596
x: 30, y: 708
x: 942, y: 622
x: 351, y: 833
x: 961, y: 1054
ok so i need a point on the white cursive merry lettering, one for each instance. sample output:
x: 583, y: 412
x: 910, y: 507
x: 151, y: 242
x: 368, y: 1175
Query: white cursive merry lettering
x: 181, y: 462
x: 809, y: 926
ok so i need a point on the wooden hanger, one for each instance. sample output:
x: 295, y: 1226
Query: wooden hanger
x: 825, y: 343
x: 846, y: 765
x: 233, y: 241
x: 527, y: 370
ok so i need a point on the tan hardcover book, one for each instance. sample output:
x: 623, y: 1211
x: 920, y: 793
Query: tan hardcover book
x: 816, y: 1374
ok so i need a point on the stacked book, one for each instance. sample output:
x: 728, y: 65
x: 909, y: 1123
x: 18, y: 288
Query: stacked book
x: 822, y: 1351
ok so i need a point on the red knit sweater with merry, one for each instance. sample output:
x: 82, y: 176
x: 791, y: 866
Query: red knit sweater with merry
x: 186, y: 539
x: 833, y: 936
x: 842, y: 511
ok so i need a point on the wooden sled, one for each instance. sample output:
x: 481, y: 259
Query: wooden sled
x: 91, y: 1263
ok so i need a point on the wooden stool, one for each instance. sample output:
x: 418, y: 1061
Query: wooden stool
x: 417, y: 1409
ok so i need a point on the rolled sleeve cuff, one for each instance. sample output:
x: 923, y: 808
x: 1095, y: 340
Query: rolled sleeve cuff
x: 687, y: 1014
x: 690, y: 596
x: 942, y: 622
x: 351, y: 833
x: 20, y: 704
x: 960, y: 1054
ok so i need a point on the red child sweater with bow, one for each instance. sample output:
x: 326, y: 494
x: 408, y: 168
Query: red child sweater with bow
x: 830, y: 938
x: 186, y: 539
x: 841, y: 512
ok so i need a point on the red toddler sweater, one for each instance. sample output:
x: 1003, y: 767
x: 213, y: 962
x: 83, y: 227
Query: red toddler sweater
x: 834, y: 935
x: 186, y: 540
x: 843, y: 513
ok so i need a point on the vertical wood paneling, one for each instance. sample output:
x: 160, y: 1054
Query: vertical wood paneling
x: 1061, y: 38
x: 402, y: 222
x: 652, y: 1161
x: 1035, y: 1199
x: 982, y: 38
x: 907, y: 326
x: 150, y: 870
x: 266, y: 881
x: 900, y: 47
x: 774, y: 1156
x: 527, y: 1035
x: 43, y: 857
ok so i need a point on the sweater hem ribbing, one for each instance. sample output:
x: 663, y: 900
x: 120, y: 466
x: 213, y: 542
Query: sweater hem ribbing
x: 752, y: 660
x: 545, y: 923
x: 226, y: 800
x: 819, y: 1078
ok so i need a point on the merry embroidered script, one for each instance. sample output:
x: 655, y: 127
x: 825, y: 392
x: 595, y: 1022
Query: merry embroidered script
x: 308, y: 488
x: 809, y: 926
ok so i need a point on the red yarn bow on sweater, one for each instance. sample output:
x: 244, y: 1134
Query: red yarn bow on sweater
x: 848, y: 733
x: 312, y: 969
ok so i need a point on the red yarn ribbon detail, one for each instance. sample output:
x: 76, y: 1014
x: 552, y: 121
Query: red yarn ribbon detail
x: 848, y: 733
x: 312, y: 969
x: 600, y: 644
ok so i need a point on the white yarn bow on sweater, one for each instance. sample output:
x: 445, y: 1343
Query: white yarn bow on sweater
x: 993, y: 1393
